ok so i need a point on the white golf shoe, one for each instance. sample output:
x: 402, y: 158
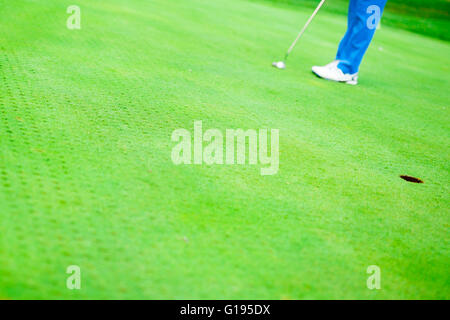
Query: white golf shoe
x: 333, y: 73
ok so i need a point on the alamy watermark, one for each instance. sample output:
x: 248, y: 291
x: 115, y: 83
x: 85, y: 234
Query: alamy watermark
x: 74, y: 20
x: 374, y: 280
x: 227, y: 148
x: 373, y: 22
x: 73, y: 281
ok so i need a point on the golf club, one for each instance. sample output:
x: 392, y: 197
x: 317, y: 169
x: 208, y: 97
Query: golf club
x: 282, y: 64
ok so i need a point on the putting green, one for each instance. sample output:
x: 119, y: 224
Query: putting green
x: 86, y: 176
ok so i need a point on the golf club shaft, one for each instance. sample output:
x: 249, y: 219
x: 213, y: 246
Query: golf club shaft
x: 304, y: 28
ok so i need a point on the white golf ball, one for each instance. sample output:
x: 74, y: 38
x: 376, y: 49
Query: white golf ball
x: 279, y: 65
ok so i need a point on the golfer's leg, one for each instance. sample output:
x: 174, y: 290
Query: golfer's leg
x: 348, y: 34
x: 359, y: 33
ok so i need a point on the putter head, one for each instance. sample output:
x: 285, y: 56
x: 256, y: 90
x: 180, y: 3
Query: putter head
x: 279, y: 65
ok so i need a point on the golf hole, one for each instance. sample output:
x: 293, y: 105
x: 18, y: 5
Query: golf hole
x: 411, y: 179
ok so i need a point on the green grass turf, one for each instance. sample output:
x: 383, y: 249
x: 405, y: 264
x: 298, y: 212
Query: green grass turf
x: 86, y: 176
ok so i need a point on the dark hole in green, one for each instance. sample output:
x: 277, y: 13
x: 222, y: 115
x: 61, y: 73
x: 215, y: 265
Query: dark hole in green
x: 411, y: 179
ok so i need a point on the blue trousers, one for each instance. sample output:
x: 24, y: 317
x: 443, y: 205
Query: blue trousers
x: 363, y: 18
